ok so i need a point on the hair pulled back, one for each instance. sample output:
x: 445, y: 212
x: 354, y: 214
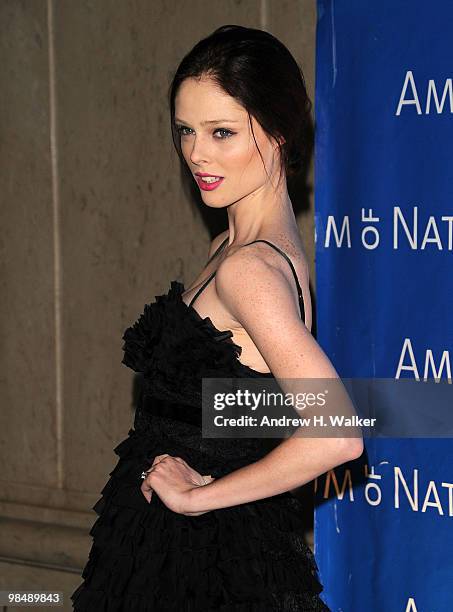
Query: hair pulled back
x: 259, y: 72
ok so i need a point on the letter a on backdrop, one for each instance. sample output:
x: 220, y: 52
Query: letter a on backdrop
x: 384, y: 267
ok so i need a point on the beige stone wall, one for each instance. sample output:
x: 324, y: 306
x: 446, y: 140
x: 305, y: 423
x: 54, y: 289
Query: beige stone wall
x: 94, y: 221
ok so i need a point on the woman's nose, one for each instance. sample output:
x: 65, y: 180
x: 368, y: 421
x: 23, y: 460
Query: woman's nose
x: 200, y: 153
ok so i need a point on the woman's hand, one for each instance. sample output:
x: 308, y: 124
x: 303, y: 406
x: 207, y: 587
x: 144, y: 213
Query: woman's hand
x: 172, y: 479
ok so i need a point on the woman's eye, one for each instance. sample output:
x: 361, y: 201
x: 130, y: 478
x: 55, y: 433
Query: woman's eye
x: 227, y: 132
x: 180, y: 129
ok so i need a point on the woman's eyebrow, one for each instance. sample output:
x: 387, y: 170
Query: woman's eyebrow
x: 211, y: 121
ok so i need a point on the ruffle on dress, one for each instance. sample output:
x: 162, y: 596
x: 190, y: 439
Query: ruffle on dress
x: 171, y: 339
x: 148, y: 340
x: 146, y: 558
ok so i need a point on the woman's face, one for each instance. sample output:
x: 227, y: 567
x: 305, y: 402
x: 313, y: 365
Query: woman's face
x: 216, y: 139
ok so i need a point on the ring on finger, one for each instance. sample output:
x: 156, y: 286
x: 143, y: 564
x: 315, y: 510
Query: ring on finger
x: 145, y: 473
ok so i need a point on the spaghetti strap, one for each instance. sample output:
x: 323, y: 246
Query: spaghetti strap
x: 299, y: 289
x: 217, y: 251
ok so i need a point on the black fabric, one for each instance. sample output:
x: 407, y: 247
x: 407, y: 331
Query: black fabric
x: 144, y: 557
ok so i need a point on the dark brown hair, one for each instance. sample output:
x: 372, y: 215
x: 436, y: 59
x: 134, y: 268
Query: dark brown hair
x: 258, y: 71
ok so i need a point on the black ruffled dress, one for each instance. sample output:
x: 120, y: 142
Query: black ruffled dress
x: 147, y: 558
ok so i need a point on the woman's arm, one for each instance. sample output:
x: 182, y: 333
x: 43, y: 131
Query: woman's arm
x: 291, y: 464
x: 260, y: 297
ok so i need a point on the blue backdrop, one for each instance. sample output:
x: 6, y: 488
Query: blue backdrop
x: 384, y: 255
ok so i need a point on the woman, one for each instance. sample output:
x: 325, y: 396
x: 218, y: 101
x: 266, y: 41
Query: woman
x: 188, y: 523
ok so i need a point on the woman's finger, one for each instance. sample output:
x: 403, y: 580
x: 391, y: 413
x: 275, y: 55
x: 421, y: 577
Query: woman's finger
x: 145, y: 488
x: 157, y: 459
x: 181, y: 460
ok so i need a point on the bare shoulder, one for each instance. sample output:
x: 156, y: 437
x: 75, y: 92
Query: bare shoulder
x: 258, y: 268
x: 216, y: 242
x: 259, y: 294
x: 256, y: 256
x: 253, y: 277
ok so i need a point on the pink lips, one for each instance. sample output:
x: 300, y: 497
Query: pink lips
x: 208, y: 186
